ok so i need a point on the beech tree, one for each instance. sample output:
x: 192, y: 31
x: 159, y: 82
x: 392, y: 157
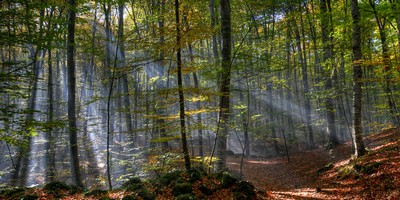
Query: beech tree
x: 73, y: 129
x: 357, y: 81
x: 226, y: 64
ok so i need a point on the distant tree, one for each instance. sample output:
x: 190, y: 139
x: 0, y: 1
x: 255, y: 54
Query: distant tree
x: 326, y: 29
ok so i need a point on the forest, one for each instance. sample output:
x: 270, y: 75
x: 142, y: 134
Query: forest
x: 190, y: 99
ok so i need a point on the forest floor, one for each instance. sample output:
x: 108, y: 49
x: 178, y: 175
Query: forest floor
x: 330, y: 174
x: 316, y: 174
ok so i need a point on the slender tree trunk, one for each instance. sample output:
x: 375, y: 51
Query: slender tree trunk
x: 198, y: 106
x: 223, y: 124
x: 327, y: 61
x: 396, y: 9
x: 50, y: 144
x: 73, y: 138
x: 213, y: 25
x: 121, y: 47
x: 180, y: 88
x: 387, y: 66
x: 357, y: 76
x: 307, y: 103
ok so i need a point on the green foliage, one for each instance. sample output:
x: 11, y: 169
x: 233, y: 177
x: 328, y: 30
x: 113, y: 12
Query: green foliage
x: 160, y: 164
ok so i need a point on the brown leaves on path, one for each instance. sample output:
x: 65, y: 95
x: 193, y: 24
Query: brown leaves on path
x: 374, y: 176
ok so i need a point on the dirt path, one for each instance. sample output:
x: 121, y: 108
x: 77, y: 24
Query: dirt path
x: 298, y: 179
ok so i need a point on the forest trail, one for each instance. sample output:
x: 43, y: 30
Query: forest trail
x: 299, y: 179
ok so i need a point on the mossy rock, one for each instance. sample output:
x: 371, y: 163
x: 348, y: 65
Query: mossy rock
x: 96, y: 193
x: 372, y: 167
x: 244, y: 190
x: 368, y: 168
x: 170, y: 177
x: 55, y: 187
x: 182, y: 188
x: 325, y: 168
x: 227, y: 180
x: 105, y: 198
x: 129, y: 197
x: 146, y: 195
x: 197, y: 173
x: 29, y: 197
x: 206, y: 190
x: 186, y: 197
x: 12, y: 192
x: 133, y: 184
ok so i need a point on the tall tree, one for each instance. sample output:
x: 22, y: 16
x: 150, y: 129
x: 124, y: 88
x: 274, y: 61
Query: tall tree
x: 382, y: 21
x: 327, y: 59
x: 73, y: 138
x: 180, y: 88
x: 357, y: 81
x: 226, y: 64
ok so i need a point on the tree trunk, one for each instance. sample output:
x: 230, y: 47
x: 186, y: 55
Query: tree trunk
x: 387, y: 66
x: 223, y: 125
x: 73, y: 139
x: 327, y: 60
x: 213, y: 25
x: 50, y: 144
x: 307, y: 103
x: 198, y: 106
x: 180, y: 88
x: 357, y: 76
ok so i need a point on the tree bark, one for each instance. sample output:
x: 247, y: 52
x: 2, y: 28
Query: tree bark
x: 73, y: 139
x: 357, y: 76
x: 224, y: 104
x: 180, y: 88
x: 327, y: 60
x: 387, y: 65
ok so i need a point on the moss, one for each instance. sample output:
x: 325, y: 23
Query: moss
x: 105, y: 198
x: 29, y: 197
x: 182, y: 188
x: 370, y: 168
x: 186, y: 197
x: 12, y: 192
x: 129, y: 197
x: 227, y: 180
x: 96, y: 193
x: 170, y: 177
x: 325, y: 168
x: 56, y: 187
x: 146, y: 195
x: 133, y: 184
x: 244, y: 190
x: 197, y: 173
